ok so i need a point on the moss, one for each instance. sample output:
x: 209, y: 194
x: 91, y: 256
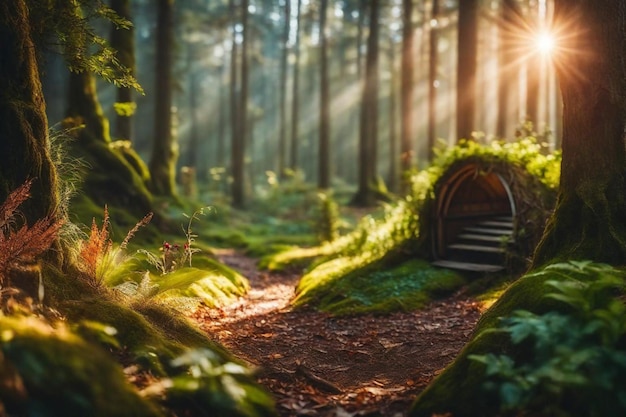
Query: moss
x: 380, y: 289
x: 134, y: 331
x: 458, y: 389
x: 57, y: 373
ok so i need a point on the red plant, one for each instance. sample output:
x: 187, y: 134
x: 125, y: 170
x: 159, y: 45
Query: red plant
x: 21, y: 244
x: 95, y: 250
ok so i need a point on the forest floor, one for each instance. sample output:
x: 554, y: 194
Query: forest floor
x: 317, y: 365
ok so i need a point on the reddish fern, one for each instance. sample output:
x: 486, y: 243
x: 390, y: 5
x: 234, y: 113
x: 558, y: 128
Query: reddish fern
x: 23, y: 244
x: 95, y: 250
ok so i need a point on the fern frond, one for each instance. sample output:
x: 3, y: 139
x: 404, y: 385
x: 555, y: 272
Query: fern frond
x: 9, y: 209
x: 96, y: 249
x: 134, y: 230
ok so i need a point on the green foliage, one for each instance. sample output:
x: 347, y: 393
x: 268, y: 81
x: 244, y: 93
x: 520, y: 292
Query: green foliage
x: 327, y: 219
x: 203, y: 385
x: 68, y: 24
x: 126, y: 109
x: 380, y: 289
x: 575, y: 360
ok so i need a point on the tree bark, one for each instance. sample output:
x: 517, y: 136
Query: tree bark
x: 282, y: 131
x: 369, y: 115
x: 509, y: 14
x: 239, y: 146
x: 394, y: 174
x: 123, y: 41
x: 295, y: 96
x: 164, y: 150
x: 408, y: 68
x: 25, y: 146
x: 466, y: 69
x: 433, y: 67
x: 323, y: 181
x: 589, y: 221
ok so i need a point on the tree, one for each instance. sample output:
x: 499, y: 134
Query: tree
x: 509, y: 16
x: 368, y: 138
x: 323, y: 181
x: 406, y: 128
x: 466, y: 67
x: 295, y: 96
x: 123, y: 41
x: 589, y: 221
x: 433, y: 67
x: 282, y: 132
x: 25, y: 144
x: 164, y: 151
x: 533, y: 67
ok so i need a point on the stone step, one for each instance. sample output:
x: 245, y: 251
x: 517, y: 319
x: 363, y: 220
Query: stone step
x: 467, y: 266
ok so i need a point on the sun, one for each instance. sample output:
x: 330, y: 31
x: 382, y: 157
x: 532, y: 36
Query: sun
x: 545, y: 43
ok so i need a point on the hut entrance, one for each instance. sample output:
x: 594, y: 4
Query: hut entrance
x: 474, y: 219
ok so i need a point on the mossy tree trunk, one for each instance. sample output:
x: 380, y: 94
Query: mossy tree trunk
x: 123, y: 41
x: 24, y: 141
x: 164, y: 150
x: 589, y: 220
x: 83, y: 107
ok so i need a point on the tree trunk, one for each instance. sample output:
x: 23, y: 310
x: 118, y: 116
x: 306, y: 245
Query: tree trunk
x: 506, y: 78
x: 369, y: 115
x: 164, y: 150
x: 123, y: 41
x: 295, y: 96
x: 394, y: 175
x: 466, y: 69
x: 239, y: 146
x: 25, y: 147
x: 83, y: 105
x: 533, y: 76
x: 408, y: 68
x: 433, y: 67
x: 323, y: 181
x: 282, y: 133
x: 194, y: 139
x: 589, y: 221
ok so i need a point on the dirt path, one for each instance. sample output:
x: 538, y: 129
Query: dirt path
x: 316, y: 365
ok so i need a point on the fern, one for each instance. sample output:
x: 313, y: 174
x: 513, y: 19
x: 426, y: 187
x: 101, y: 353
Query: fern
x: 20, y: 244
x: 97, y: 254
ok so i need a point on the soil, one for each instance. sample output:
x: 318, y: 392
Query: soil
x: 318, y: 365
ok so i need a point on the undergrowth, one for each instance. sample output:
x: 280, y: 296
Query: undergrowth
x: 90, y: 342
x: 573, y: 361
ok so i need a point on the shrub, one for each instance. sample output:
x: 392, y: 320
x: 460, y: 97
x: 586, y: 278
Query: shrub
x: 573, y: 362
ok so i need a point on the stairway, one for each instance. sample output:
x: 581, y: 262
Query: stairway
x: 479, y: 247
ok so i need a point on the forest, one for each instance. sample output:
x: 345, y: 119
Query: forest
x: 328, y: 208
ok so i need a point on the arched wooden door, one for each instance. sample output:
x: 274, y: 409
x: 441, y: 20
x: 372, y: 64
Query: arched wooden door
x: 474, y: 218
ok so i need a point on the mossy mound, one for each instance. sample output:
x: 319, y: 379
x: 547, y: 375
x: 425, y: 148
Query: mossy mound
x: 377, y: 288
x: 187, y: 373
x: 529, y: 176
x: 47, y: 371
x: 403, y: 231
x: 458, y: 390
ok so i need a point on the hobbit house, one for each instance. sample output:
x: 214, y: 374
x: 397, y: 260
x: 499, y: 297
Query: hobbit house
x: 487, y: 216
